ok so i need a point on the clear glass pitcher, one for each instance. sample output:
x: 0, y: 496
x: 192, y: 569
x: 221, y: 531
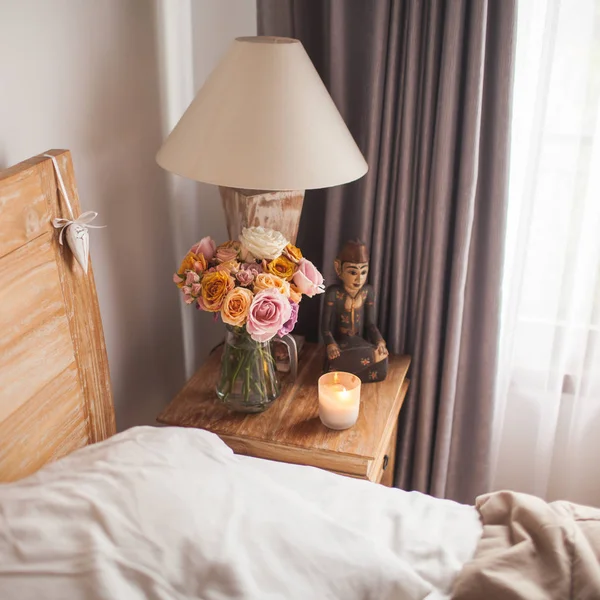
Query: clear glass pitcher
x: 249, y: 381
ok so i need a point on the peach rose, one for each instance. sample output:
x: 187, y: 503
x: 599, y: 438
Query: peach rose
x: 228, y: 251
x: 236, y: 306
x: 231, y: 266
x: 295, y: 293
x: 282, y: 267
x: 215, y: 286
x: 266, y: 281
x: 292, y: 252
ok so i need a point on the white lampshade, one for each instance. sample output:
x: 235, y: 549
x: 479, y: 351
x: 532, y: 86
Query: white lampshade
x: 263, y: 121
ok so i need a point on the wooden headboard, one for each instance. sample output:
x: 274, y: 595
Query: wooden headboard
x: 55, y: 391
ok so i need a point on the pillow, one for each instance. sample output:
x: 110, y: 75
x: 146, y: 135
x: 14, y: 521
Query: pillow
x: 173, y: 513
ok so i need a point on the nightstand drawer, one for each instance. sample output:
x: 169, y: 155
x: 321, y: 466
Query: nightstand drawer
x: 345, y: 464
x: 388, y: 463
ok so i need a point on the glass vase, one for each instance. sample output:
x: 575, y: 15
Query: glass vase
x: 248, y: 381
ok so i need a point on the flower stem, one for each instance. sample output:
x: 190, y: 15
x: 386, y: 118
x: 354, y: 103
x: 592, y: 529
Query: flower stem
x: 248, y: 375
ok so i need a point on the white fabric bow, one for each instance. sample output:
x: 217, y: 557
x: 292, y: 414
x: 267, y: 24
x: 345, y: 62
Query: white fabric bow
x: 83, y: 220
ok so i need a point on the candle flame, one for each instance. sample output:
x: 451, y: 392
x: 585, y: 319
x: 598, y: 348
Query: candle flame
x: 340, y: 392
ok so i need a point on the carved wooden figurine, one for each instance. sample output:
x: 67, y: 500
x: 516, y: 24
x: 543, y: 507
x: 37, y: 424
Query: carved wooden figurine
x: 348, y: 327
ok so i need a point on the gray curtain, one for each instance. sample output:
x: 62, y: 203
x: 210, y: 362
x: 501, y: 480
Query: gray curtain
x: 425, y: 87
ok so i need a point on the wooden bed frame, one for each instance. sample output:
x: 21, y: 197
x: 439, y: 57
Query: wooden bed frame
x: 55, y: 391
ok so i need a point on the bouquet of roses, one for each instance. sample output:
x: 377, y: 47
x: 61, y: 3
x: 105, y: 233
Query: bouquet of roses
x: 255, y: 285
x: 256, y: 282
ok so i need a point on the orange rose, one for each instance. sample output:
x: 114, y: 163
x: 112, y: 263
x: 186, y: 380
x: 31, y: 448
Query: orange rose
x: 215, y: 286
x: 282, y: 267
x: 193, y: 262
x: 292, y: 252
x: 295, y: 293
x: 236, y: 306
x: 265, y: 281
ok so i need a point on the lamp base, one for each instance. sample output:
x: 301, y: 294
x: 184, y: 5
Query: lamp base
x: 253, y: 208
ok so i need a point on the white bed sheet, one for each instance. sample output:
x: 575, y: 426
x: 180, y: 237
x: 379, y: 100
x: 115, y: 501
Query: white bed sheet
x: 172, y: 513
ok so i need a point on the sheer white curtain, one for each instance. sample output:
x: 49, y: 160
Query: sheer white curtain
x: 547, y: 423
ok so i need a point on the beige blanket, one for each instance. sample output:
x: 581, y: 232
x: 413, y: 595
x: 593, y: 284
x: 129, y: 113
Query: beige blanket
x: 533, y: 550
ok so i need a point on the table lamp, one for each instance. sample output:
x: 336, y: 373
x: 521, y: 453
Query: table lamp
x: 264, y: 129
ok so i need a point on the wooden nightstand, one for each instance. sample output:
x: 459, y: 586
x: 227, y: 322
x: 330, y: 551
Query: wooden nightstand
x: 290, y: 430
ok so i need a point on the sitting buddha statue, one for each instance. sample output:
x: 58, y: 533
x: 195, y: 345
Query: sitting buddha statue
x: 348, y: 327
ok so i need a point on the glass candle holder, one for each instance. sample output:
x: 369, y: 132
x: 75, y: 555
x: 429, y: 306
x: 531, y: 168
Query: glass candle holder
x: 339, y: 399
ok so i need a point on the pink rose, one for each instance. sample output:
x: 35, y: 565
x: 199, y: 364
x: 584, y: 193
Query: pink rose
x: 307, y: 278
x: 247, y: 273
x: 253, y: 266
x: 191, y: 278
x: 245, y: 277
x: 289, y: 325
x: 187, y: 294
x: 178, y: 279
x: 227, y: 251
x: 269, y: 312
x: 196, y: 289
x: 205, y: 246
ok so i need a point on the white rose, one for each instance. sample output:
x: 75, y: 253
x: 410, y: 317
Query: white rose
x: 259, y: 243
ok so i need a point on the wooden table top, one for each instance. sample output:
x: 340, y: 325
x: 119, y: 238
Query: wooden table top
x: 292, y: 420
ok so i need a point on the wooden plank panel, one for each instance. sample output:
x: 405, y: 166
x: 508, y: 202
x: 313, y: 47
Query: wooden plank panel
x: 81, y: 305
x: 51, y: 424
x: 24, y: 213
x: 35, y: 342
x: 55, y: 391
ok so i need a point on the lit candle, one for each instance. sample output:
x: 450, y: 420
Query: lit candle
x: 339, y: 399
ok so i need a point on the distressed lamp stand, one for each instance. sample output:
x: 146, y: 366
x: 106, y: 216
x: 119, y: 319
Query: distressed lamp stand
x: 264, y: 128
x: 251, y: 208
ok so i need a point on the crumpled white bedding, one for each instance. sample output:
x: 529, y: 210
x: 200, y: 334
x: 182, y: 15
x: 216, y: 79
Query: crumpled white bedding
x: 172, y: 513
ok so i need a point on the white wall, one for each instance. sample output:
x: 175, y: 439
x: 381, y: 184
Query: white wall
x: 90, y: 77
x: 194, y: 34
